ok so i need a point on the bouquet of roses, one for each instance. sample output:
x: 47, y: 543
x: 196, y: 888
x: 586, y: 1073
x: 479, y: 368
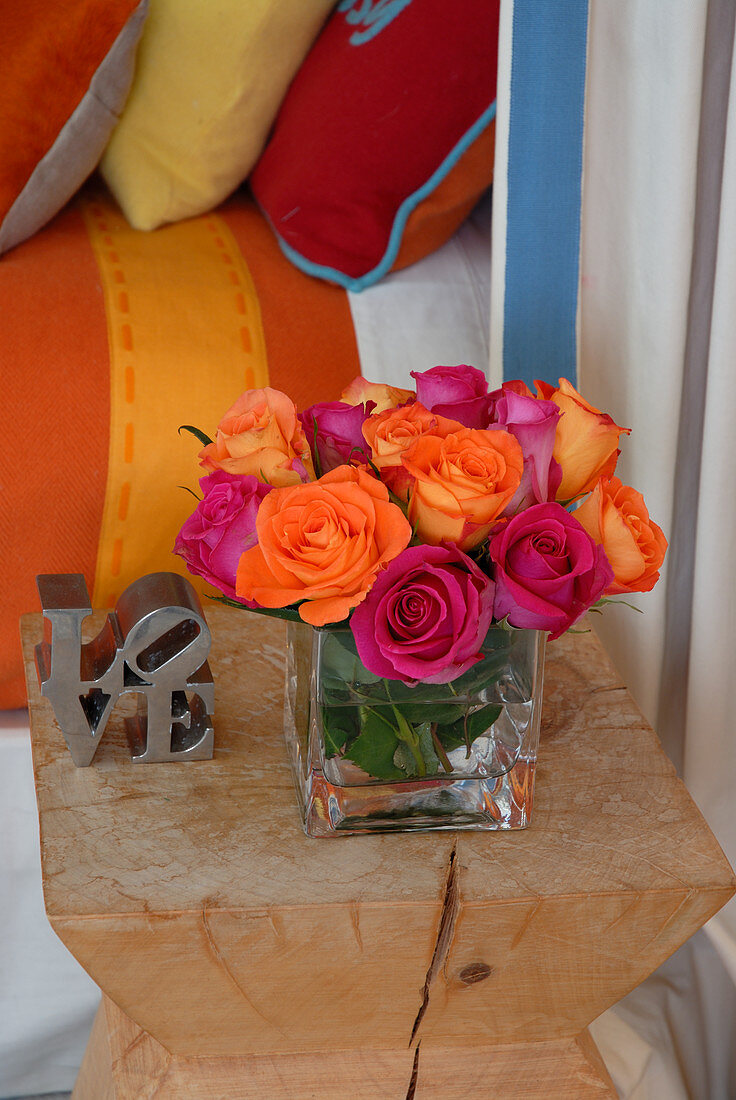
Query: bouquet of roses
x: 417, y: 519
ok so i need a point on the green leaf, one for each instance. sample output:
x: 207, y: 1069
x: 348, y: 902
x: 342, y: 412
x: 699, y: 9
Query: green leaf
x: 484, y: 673
x: 339, y: 658
x: 404, y: 760
x: 605, y: 600
x: 408, y: 757
x: 435, y: 712
x: 335, y: 691
x: 462, y: 733
x: 451, y: 736
x: 339, y: 724
x: 200, y: 435
x: 426, y: 747
x: 374, y: 747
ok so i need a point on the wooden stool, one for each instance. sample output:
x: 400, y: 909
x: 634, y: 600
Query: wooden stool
x: 240, y: 959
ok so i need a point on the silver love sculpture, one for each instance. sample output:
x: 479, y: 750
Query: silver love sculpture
x: 154, y: 643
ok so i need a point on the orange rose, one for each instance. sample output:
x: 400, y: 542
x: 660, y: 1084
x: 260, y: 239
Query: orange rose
x: 390, y: 433
x: 383, y: 396
x: 261, y: 435
x: 616, y: 517
x: 462, y: 483
x: 322, y: 542
x: 586, y: 440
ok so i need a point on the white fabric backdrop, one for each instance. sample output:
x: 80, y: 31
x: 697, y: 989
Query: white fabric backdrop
x: 658, y: 350
x: 47, y: 1002
x: 710, y: 737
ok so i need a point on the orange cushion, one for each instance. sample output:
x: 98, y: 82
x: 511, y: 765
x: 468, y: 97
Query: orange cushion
x: 66, y: 71
x: 115, y: 337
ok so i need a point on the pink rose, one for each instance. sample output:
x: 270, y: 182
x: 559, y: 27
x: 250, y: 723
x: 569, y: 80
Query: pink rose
x: 459, y: 393
x: 221, y: 527
x: 335, y: 429
x: 533, y: 423
x: 425, y: 617
x: 548, y: 570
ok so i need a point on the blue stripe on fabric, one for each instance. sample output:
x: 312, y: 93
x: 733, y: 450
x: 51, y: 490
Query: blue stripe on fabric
x: 545, y: 163
x: 400, y: 220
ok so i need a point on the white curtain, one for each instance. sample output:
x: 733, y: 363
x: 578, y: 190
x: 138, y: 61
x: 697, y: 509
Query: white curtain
x: 657, y: 328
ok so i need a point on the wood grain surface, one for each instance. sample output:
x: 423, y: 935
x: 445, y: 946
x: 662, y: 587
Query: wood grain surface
x: 192, y: 897
x: 124, y: 1063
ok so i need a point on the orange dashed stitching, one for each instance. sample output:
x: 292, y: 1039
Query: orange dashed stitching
x: 240, y: 303
x: 234, y: 278
x: 117, y: 557
x: 106, y: 224
x: 124, y: 502
x: 245, y: 339
x: 250, y: 378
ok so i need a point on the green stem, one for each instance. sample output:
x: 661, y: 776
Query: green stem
x: 405, y: 733
x: 439, y: 748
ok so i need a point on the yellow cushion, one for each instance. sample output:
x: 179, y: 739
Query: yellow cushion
x: 209, y: 80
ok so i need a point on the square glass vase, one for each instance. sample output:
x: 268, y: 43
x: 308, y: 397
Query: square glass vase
x: 373, y: 755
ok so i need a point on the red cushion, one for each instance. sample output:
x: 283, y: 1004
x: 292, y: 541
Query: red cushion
x: 392, y: 99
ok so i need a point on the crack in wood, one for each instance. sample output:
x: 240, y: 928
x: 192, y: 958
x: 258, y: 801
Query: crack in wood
x: 120, y: 1059
x: 355, y: 921
x: 445, y: 932
x: 525, y: 924
x: 158, y: 1083
x: 221, y: 962
x: 414, y: 1074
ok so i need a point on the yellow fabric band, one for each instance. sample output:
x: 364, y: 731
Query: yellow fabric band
x: 186, y: 338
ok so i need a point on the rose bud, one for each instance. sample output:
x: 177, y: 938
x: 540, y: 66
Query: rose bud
x: 459, y: 393
x: 616, y: 517
x: 336, y: 430
x: 548, y: 570
x: 533, y: 422
x: 261, y: 435
x: 586, y: 441
x: 361, y: 391
x: 389, y: 434
x: 221, y: 527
